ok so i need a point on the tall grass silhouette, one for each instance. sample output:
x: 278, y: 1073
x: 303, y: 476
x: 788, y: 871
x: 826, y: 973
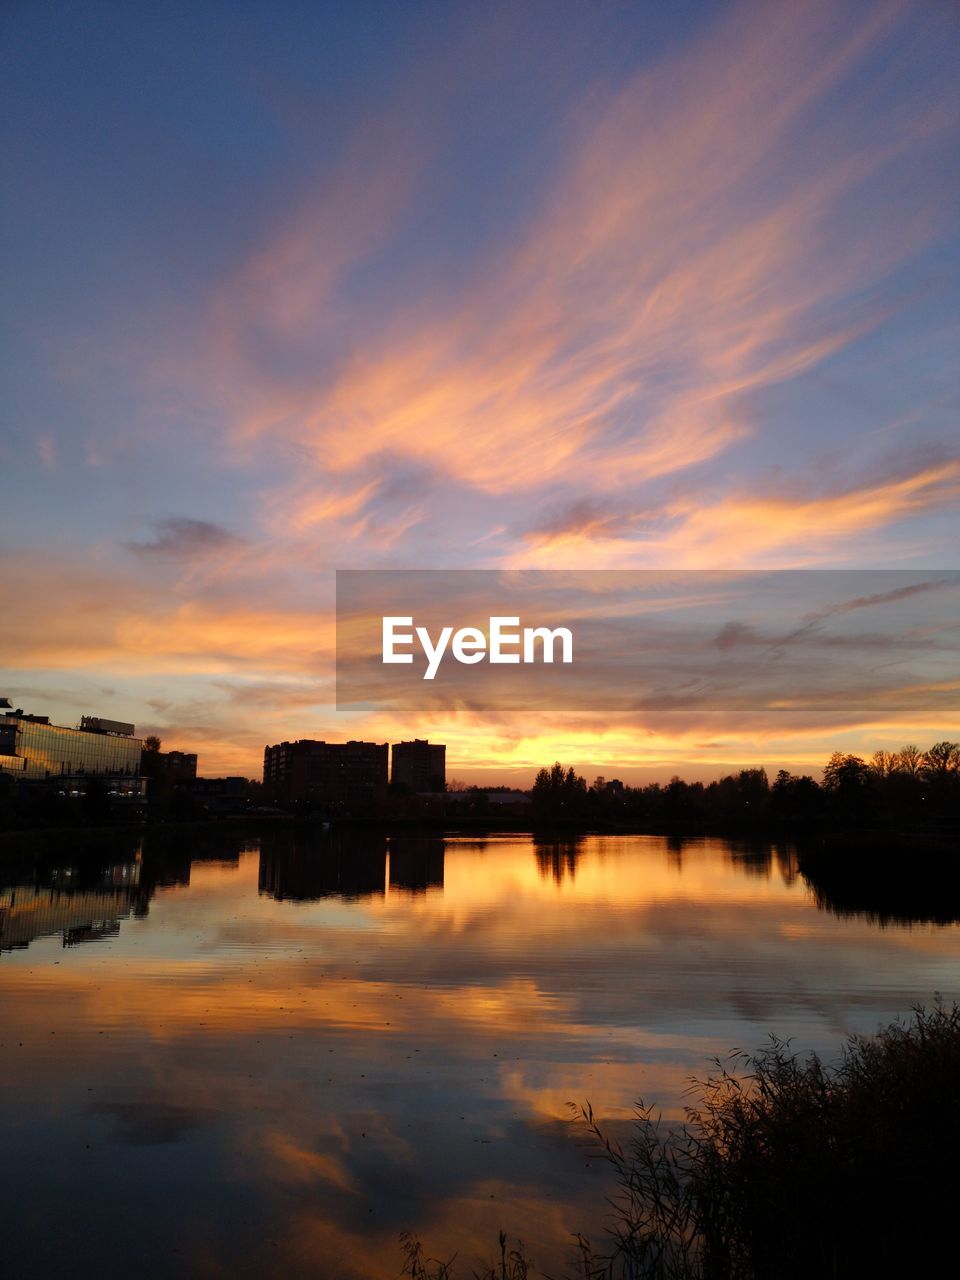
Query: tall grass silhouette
x: 784, y: 1168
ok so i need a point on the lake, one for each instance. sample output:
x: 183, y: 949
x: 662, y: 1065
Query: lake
x: 226, y: 1053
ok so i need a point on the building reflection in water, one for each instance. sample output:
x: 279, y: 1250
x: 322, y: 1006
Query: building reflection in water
x: 303, y: 865
x: 83, y: 900
x: 79, y: 915
x: 416, y: 863
x: 85, y: 891
x: 351, y: 864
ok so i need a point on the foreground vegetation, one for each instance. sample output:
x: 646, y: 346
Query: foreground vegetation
x: 784, y: 1169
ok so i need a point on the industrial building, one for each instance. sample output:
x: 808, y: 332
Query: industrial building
x: 34, y: 750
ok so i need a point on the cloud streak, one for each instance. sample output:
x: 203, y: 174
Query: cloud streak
x: 183, y: 538
x: 677, y: 263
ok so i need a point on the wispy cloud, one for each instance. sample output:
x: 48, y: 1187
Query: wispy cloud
x: 740, y: 529
x: 183, y: 538
x: 693, y: 249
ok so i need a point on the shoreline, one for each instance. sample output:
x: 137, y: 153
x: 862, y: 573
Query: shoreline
x: 813, y: 842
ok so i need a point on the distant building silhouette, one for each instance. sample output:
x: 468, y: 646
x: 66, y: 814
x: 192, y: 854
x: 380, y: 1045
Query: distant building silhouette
x: 232, y: 787
x: 420, y: 765
x: 34, y: 750
x: 215, y: 796
x: 505, y: 796
x: 331, y: 773
x: 165, y: 769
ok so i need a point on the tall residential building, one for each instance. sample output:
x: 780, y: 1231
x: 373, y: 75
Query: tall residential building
x: 420, y: 765
x: 344, y: 774
x: 33, y: 749
x: 165, y: 769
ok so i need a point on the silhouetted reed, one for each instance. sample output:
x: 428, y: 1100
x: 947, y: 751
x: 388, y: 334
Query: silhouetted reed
x: 512, y: 1264
x: 785, y: 1168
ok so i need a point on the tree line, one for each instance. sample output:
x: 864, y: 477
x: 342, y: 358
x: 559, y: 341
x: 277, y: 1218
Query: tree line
x: 907, y: 788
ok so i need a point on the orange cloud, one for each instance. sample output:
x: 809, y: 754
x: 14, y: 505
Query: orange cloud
x: 742, y: 529
x: 72, y: 616
x: 672, y: 266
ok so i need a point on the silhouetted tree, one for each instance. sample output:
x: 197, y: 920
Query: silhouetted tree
x: 845, y: 774
x: 795, y: 799
x: 559, y: 794
x: 941, y: 760
x: 883, y: 763
x: 910, y: 760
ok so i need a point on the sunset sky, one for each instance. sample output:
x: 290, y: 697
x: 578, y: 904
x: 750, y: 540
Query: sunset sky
x: 550, y: 285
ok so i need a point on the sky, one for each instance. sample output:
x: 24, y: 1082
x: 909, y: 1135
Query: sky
x: 525, y: 286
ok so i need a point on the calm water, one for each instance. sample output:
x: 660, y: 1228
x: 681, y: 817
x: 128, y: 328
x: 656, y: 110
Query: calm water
x: 228, y: 1056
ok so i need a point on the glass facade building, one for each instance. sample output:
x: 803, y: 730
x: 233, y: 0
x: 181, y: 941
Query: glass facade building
x: 34, y: 750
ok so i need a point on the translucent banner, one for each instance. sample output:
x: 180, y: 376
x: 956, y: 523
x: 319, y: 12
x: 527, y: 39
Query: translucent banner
x: 670, y: 650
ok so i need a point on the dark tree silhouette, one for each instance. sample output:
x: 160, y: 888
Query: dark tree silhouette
x: 941, y: 760
x: 559, y: 794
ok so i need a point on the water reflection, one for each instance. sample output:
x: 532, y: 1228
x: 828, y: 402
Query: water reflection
x: 283, y: 1047
x: 348, y: 864
x: 886, y: 890
x: 307, y: 866
x: 557, y: 859
x: 416, y: 863
x: 84, y: 892
x: 81, y: 901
